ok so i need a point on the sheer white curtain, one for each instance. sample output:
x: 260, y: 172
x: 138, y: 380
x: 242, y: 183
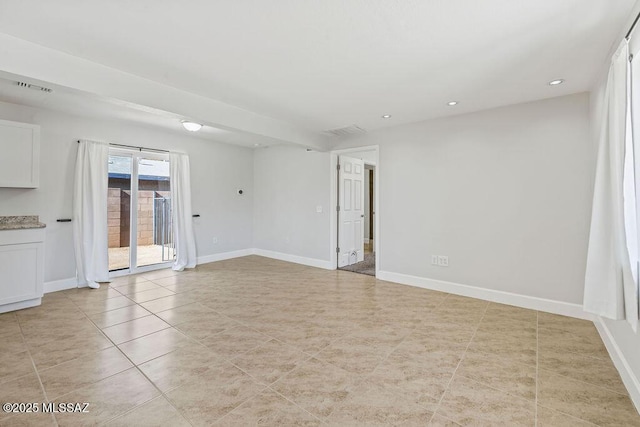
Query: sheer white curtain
x: 181, y: 214
x: 90, y: 230
x: 611, y: 275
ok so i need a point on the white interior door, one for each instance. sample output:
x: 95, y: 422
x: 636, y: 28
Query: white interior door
x: 351, y: 211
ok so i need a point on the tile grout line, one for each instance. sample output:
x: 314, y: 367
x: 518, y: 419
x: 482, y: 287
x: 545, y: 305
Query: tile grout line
x: 225, y: 359
x: 140, y: 371
x: 141, y: 336
x: 161, y: 396
x: 461, y: 359
x: 294, y: 403
x: 414, y: 328
x: 497, y: 388
x: 101, y: 330
x: 593, y: 384
x: 571, y: 416
x: 133, y: 364
x: 438, y: 405
x: 35, y: 368
x: 537, y: 366
x: 587, y: 383
x: 124, y: 321
x: 265, y: 334
x: 411, y: 331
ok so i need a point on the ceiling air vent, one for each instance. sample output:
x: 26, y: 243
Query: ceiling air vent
x: 346, y: 131
x: 34, y: 87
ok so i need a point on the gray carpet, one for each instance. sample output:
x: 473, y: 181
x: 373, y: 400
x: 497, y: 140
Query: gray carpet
x: 367, y: 266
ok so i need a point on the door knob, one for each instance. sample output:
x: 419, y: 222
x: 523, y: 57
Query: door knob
x: 362, y: 216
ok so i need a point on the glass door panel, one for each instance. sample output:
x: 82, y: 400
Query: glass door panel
x: 154, y: 235
x: 119, y: 211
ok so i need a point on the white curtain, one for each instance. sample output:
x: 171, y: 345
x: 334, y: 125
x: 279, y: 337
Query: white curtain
x: 90, y: 230
x: 181, y: 214
x: 611, y: 275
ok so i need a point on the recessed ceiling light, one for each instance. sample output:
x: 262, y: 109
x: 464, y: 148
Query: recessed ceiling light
x: 256, y: 145
x: 191, y: 126
x: 386, y: 116
x: 452, y: 103
x: 556, y: 82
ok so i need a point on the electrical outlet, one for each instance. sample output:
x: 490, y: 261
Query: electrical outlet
x: 434, y: 259
x: 215, y: 240
x: 319, y: 209
x: 443, y: 261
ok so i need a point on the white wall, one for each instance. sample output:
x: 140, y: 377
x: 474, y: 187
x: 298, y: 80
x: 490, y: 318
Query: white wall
x: 505, y: 193
x: 289, y: 184
x: 217, y: 170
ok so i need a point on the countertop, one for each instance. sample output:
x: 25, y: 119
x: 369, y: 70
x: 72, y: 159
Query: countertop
x: 20, y: 222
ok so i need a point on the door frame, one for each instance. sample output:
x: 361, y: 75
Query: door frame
x: 372, y: 196
x: 333, y: 198
x: 136, y: 154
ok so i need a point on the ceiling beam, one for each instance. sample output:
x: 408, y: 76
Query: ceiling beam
x: 34, y: 61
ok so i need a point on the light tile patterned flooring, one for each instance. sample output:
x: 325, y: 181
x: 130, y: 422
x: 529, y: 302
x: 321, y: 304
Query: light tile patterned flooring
x: 256, y: 341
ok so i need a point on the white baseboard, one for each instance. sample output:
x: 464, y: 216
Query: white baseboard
x: 629, y: 379
x: 312, y: 262
x: 70, y: 283
x: 60, y: 285
x: 524, y: 301
x: 225, y: 255
x: 20, y: 305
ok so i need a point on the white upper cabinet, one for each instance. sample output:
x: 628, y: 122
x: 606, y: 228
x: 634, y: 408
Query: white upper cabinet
x: 19, y: 154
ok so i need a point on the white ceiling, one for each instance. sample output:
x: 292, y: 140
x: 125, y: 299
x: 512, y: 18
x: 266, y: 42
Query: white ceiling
x: 327, y: 64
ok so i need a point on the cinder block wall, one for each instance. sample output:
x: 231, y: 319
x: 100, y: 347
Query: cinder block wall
x: 125, y: 218
x: 118, y: 212
x: 113, y: 216
x: 145, y: 217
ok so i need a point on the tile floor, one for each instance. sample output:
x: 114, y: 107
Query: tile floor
x: 254, y: 341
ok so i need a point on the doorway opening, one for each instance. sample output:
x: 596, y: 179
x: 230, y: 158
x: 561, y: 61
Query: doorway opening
x: 139, y: 212
x: 356, y: 224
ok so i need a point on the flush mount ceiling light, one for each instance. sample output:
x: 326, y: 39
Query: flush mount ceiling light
x: 386, y: 116
x: 452, y: 103
x: 191, y: 126
x: 556, y: 82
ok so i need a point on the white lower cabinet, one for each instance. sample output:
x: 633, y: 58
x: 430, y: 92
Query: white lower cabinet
x: 21, y: 268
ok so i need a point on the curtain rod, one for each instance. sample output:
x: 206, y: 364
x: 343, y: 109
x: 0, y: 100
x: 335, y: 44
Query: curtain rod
x: 137, y: 148
x: 633, y: 26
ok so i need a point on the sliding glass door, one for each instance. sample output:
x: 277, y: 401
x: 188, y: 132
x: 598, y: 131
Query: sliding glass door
x: 119, y: 211
x: 154, y: 234
x: 139, y: 211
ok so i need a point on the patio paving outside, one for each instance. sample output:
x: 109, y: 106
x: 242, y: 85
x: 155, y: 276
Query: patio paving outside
x: 147, y: 255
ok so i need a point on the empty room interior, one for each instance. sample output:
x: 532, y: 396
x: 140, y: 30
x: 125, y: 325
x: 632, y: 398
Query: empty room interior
x: 356, y: 212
